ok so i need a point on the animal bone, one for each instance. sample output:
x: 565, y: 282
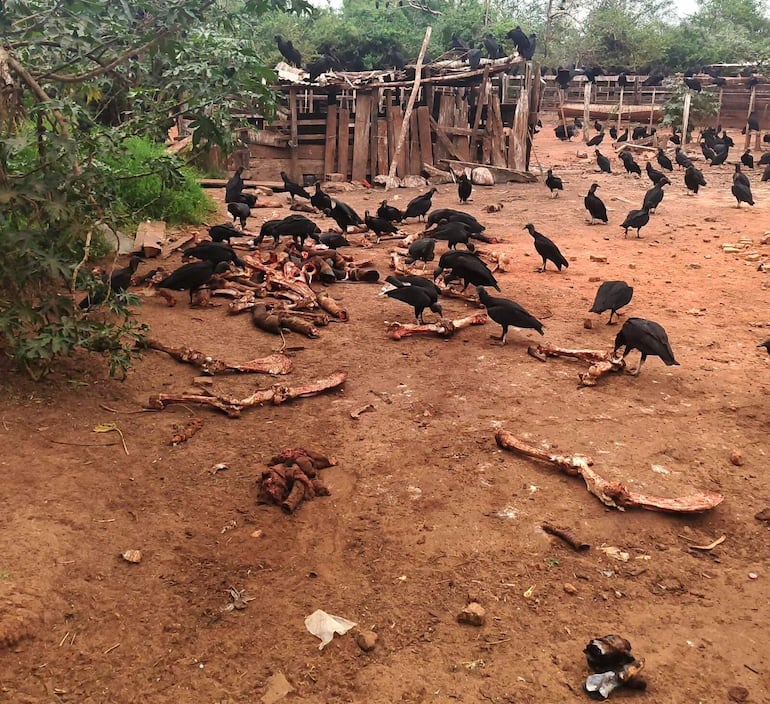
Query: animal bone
x: 443, y: 328
x: 601, y: 362
x: 612, y: 494
x: 272, y: 364
x: 232, y: 406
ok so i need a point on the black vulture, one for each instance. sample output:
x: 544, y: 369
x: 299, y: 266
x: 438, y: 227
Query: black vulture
x: 464, y: 188
x: 565, y: 133
x: 422, y: 250
x: 379, y: 226
x: 592, y: 73
x: 623, y: 137
x: 740, y: 177
x: 465, y: 266
x: 239, y: 211
x: 494, y: 50
x: 596, y: 140
x: 507, y: 313
x: 727, y: 139
x: 631, y: 165
x: 474, y: 58
x: 742, y: 194
x: 720, y: 158
x: 320, y: 199
x: 388, y: 212
x: 344, y: 216
x: 653, y: 174
x: 636, y: 219
x: 294, y: 189
x: 707, y: 151
x: 395, y: 59
x: 297, y: 226
x: 598, y: 126
x: 747, y: 159
x: 419, y: 206
x: 765, y: 345
x: 654, y: 80
x: 412, y: 280
x: 640, y: 132
x: 220, y: 233
x: 764, y: 160
x: 675, y: 138
x: 664, y: 161
x: 457, y: 44
x: 563, y: 77
x: 654, y: 196
x: 646, y: 336
x: 192, y: 277
x: 613, y: 132
x: 693, y: 84
x: 612, y: 296
x: 752, y: 123
x: 594, y: 205
x: 766, y: 174
x: 554, y: 183
x: 214, y: 252
x: 319, y: 66
x: 719, y: 81
x: 333, y: 240
x: 603, y: 162
x: 454, y: 232
x: 418, y: 297
x: 623, y: 81
x: 288, y: 51
x: 234, y: 186
x: 449, y: 215
x: 117, y: 282
x: 682, y: 159
x: 693, y: 179
x: 547, y: 249
x: 525, y: 45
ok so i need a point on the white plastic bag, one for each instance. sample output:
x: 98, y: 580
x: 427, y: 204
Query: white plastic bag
x: 324, y: 626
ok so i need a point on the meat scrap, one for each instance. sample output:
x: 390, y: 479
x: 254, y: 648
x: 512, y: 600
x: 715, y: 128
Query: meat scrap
x: 291, y: 477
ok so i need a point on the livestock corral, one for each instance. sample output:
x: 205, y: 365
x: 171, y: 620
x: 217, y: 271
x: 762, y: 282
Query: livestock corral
x: 135, y: 569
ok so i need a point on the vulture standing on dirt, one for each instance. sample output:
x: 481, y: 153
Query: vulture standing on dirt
x: 547, y: 249
x: 636, y: 219
x: 603, y: 162
x: 294, y: 189
x: 747, y: 159
x: 118, y: 282
x: 623, y: 137
x: 740, y: 177
x: 449, y: 215
x: 297, y: 226
x: 565, y: 133
x: 417, y: 296
x: 653, y: 174
x: 612, y: 296
x: 654, y: 196
x: 595, y: 206
x: 693, y: 179
x: 214, y: 252
x: 720, y: 158
x: 234, y: 186
x: 764, y: 160
x: 388, y: 212
x: 423, y: 250
x: 646, y: 336
x: 554, y: 183
x: 454, y: 232
x: 465, y: 266
x: 192, y: 277
x: 288, y: 51
x: 664, y: 161
x: 596, y: 140
x: 742, y: 193
x: 320, y: 200
x: 464, y: 188
x: 632, y: 167
x: 239, y: 211
x: 344, y: 216
x: 379, y: 226
x: 220, y: 233
x: 682, y: 159
x: 507, y: 313
x: 417, y: 207
x: 766, y: 174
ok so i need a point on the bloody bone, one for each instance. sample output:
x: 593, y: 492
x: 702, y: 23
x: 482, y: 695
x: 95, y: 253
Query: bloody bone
x: 272, y: 364
x: 332, y: 307
x: 274, y: 321
x: 443, y: 328
x: 232, y: 406
x: 612, y: 494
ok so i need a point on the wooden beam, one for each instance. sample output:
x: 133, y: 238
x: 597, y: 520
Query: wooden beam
x: 343, y: 142
x: 442, y: 139
x: 373, y: 132
x: 500, y: 174
x: 395, y: 121
x: 294, y: 141
x: 409, y: 106
x: 330, y: 148
x: 415, y: 161
x: 423, y: 127
x: 361, y: 136
x: 495, y: 123
x: 520, y: 132
x: 586, y: 109
x: 747, y: 141
x: 479, y: 105
x: 461, y: 121
x: 445, y: 119
x: 686, y: 116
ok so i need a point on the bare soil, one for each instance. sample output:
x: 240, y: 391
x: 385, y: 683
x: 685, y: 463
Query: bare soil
x: 425, y: 511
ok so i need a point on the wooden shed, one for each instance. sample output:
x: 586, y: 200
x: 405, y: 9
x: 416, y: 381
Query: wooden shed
x: 347, y: 124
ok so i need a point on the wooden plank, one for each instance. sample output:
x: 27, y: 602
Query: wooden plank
x: 445, y: 109
x: 415, y: 160
x: 500, y: 174
x: 520, y: 131
x: 382, y: 146
x: 495, y: 123
x: 747, y: 141
x: 343, y: 142
x: 361, y: 136
x: 373, y: 132
x: 482, y: 96
x: 462, y: 122
x: 423, y: 127
x: 442, y: 141
x: 395, y: 122
x: 294, y: 142
x: 330, y: 149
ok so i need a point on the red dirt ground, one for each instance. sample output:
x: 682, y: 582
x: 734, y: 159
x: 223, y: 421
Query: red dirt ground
x: 425, y: 511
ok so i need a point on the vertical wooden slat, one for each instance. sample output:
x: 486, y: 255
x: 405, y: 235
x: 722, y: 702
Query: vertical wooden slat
x: 373, y: 132
x: 415, y: 163
x: 586, y: 109
x: 294, y: 135
x: 361, y: 135
x: 495, y: 122
x: 343, y: 142
x: 446, y: 106
x: 482, y: 96
x: 330, y: 147
x: 747, y: 141
x: 461, y: 119
x: 395, y: 121
x: 423, y: 127
x: 382, y: 146
x: 520, y: 128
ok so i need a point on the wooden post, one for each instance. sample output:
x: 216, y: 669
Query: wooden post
x: 719, y: 111
x: 747, y: 141
x: 382, y: 145
x: 343, y: 141
x: 294, y: 135
x: 620, y: 110
x: 652, y: 105
x: 409, y: 107
x: 586, y: 109
x: 479, y: 108
x: 686, y: 116
x: 361, y: 142
x: 521, y: 129
x: 423, y: 127
x: 330, y: 147
x: 561, y: 110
